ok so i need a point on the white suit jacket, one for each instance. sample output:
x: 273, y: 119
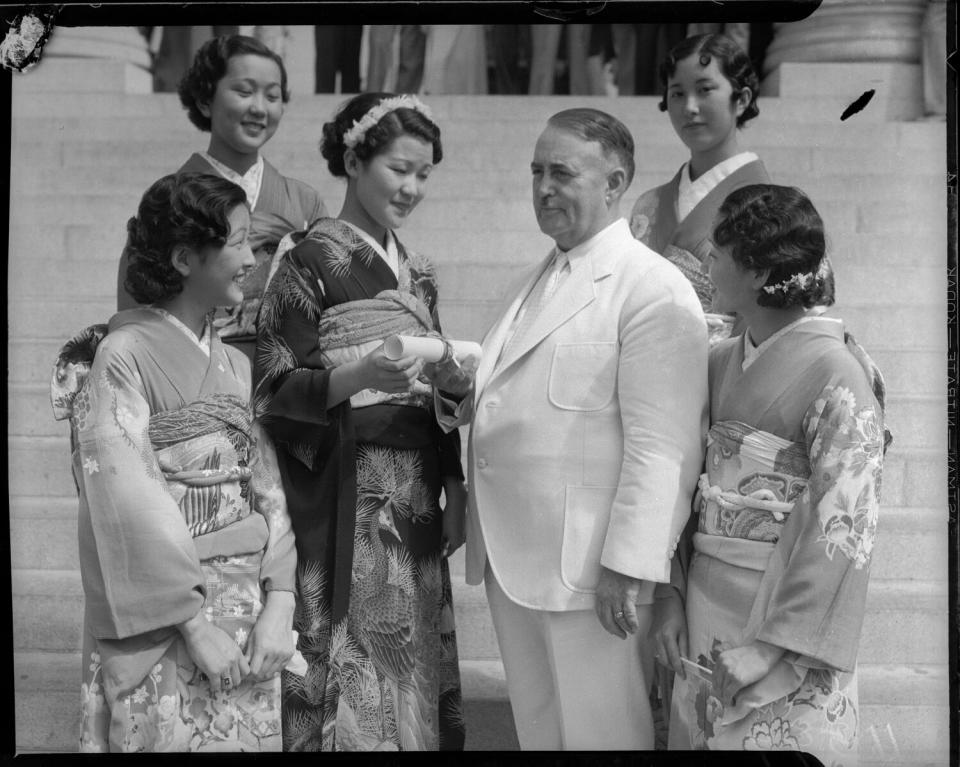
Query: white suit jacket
x: 587, y: 437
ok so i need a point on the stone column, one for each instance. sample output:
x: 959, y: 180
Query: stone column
x: 94, y: 59
x: 851, y: 30
x: 846, y: 48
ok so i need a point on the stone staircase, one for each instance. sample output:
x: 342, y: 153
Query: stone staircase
x: 80, y: 162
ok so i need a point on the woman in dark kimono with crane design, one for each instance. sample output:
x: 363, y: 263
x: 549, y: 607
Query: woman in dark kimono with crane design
x: 362, y: 456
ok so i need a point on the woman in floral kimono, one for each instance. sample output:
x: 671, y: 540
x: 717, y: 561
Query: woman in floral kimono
x: 186, y: 550
x: 235, y: 90
x: 710, y: 91
x: 362, y: 456
x: 786, y: 514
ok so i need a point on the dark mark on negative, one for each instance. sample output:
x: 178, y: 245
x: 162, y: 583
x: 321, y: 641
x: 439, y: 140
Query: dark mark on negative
x: 857, y: 105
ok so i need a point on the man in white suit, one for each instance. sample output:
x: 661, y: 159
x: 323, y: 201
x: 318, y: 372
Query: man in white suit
x: 587, y: 440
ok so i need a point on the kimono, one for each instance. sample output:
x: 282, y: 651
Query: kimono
x: 687, y: 244
x: 786, y: 520
x: 181, y: 510
x: 284, y: 205
x: 363, y: 480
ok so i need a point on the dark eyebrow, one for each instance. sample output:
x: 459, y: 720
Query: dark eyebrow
x: 553, y: 166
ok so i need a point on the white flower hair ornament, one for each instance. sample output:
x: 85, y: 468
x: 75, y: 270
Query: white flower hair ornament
x: 802, y: 281
x: 360, y: 127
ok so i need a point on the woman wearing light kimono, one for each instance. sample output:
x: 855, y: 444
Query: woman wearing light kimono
x: 362, y: 456
x: 710, y: 91
x: 786, y: 514
x: 235, y: 90
x: 186, y: 551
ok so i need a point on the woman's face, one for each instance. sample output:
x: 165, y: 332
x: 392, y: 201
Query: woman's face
x: 701, y: 106
x: 734, y: 284
x: 391, y: 184
x: 246, y: 107
x: 216, y: 276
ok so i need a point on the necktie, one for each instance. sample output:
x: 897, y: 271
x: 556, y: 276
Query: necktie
x: 538, y: 298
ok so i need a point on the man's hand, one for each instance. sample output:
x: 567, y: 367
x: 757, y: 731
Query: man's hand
x: 617, y: 602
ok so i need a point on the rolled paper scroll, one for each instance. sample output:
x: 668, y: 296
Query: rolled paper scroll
x: 428, y: 348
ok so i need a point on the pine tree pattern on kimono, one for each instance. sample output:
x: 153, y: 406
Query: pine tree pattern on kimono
x: 375, y: 614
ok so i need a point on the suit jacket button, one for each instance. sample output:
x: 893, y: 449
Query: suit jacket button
x: 481, y: 463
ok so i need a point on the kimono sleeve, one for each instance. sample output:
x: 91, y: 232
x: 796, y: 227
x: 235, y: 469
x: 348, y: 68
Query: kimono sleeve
x: 278, y: 569
x: 819, y: 571
x: 139, y: 563
x: 291, y: 378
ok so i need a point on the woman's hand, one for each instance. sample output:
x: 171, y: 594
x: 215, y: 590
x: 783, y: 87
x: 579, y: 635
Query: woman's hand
x: 668, y: 629
x: 270, y: 645
x: 454, y: 516
x: 740, y: 667
x: 377, y: 371
x: 214, y: 652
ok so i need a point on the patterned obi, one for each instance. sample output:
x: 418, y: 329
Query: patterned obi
x: 752, y: 482
x: 203, y: 450
x: 351, y: 330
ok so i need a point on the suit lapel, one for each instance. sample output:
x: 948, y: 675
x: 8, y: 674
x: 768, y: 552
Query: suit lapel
x: 493, y: 343
x: 572, y: 296
x: 577, y: 292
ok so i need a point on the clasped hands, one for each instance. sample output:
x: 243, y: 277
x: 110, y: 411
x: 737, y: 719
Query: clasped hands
x: 268, y: 648
x: 735, y: 669
x: 398, y: 376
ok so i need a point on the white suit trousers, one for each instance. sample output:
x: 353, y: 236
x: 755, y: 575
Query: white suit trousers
x: 572, y: 685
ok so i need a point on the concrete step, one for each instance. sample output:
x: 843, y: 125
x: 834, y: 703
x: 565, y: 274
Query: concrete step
x: 904, y: 619
x: 484, y: 119
x: 918, y: 420
x: 909, y: 371
x: 876, y: 326
x: 911, y: 544
x: 914, y: 420
x: 894, y: 326
x: 513, y: 184
x: 904, y: 736
x: 915, y: 477
x: 499, y: 253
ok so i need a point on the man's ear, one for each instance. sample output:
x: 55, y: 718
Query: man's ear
x: 616, y: 184
x: 180, y: 259
x: 204, y: 109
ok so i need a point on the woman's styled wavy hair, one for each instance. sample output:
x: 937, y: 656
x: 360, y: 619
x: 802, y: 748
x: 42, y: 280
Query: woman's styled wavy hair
x: 199, y: 84
x: 777, y: 228
x: 400, y: 122
x: 733, y: 62
x: 186, y: 209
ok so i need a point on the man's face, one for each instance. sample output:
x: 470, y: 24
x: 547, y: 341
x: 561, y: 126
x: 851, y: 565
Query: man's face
x: 569, y: 187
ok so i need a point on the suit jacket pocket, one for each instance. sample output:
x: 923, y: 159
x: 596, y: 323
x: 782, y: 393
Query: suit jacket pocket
x: 585, y: 518
x: 583, y: 376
